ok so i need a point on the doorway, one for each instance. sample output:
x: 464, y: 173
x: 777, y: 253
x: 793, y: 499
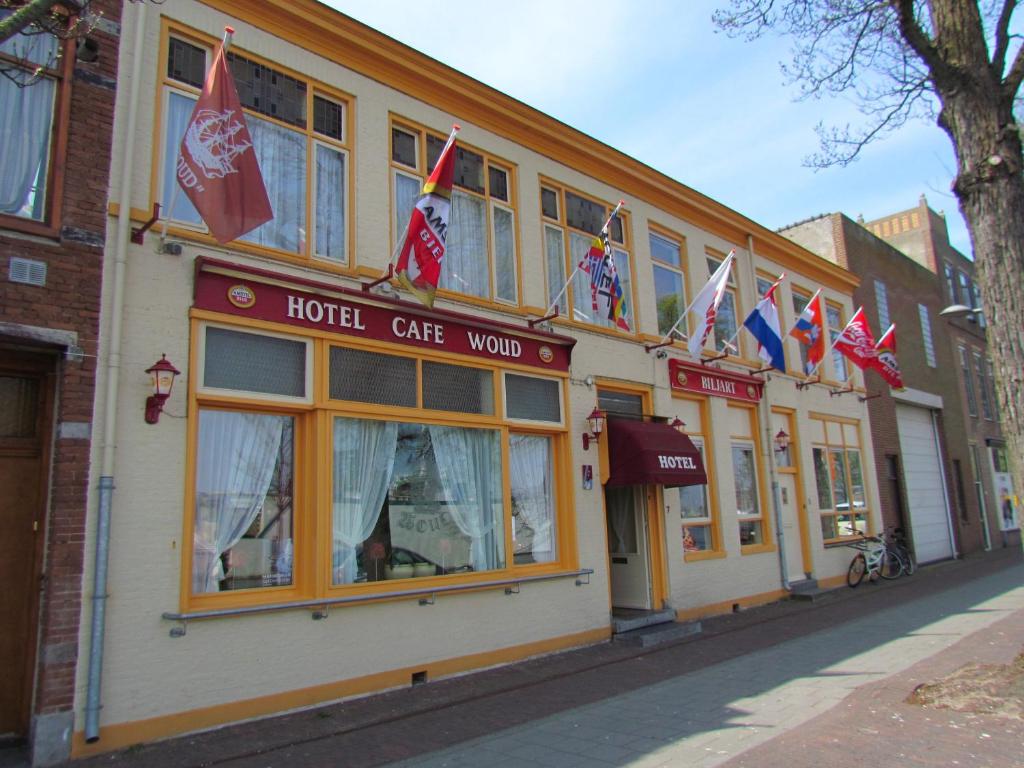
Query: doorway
x: 789, y: 512
x: 628, y: 550
x: 24, y: 446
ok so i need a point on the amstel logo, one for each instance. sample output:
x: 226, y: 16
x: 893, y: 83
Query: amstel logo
x: 681, y: 378
x: 545, y: 354
x: 242, y: 296
x: 751, y: 391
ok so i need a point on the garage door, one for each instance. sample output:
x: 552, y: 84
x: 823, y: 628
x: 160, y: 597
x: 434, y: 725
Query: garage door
x: 922, y: 471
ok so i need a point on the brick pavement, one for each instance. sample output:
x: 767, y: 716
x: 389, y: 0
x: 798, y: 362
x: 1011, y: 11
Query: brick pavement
x: 743, y: 686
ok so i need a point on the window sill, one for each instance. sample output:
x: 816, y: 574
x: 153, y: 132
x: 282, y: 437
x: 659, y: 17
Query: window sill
x: 696, y: 557
x: 756, y: 549
x: 320, y: 607
x: 28, y: 227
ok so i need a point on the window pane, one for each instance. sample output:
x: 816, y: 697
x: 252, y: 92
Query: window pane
x: 822, y: 477
x: 668, y: 293
x: 626, y: 281
x: 554, y: 253
x: 750, y: 532
x: 370, y: 377
x: 533, y: 499
x: 696, y: 538
x: 726, y: 324
x: 186, y: 62
x: 282, y: 158
x: 403, y: 147
x: 457, y: 388
x: 498, y: 183
x: 665, y: 250
x: 504, y: 254
x: 829, y: 530
x: 330, y: 204
x: 582, y: 304
x: 252, y: 363
x: 745, y: 479
x: 407, y: 190
x: 328, y: 118
x: 926, y: 335
x: 621, y: 404
x: 243, y: 502
x: 527, y: 397
x: 179, y: 111
x: 799, y: 302
x: 835, y: 326
x: 549, y: 203
x: 965, y: 369
x: 621, y: 520
x: 469, y: 166
x: 411, y: 500
x: 19, y: 405
x: 882, y: 302
x: 26, y: 115
x: 838, y: 473
x: 465, y: 260
x: 268, y: 91
x: 584, y: 214
x: 38, y: 49
x: 856, y: 480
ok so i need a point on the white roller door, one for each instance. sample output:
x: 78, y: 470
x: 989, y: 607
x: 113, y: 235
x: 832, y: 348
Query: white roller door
x: 925, y: 485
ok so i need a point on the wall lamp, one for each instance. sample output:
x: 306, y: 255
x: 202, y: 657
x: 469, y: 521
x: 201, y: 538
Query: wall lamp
x: 596, y: 422
x: 959, y: 310
x: 678, y: 425
x: 162, y: 374
x: 781, y: 441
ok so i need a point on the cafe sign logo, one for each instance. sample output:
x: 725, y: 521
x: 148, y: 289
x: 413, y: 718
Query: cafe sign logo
x: 242, y: 296
x: 545, y: 354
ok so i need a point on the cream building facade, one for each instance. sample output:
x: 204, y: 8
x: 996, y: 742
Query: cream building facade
x: 347, y: 492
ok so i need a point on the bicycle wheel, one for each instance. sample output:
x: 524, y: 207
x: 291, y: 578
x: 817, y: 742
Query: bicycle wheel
x: 892, y: 564
x: 909, y: 566
x: 855, y: 574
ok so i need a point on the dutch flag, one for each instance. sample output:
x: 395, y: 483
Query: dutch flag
x: 763, y: 324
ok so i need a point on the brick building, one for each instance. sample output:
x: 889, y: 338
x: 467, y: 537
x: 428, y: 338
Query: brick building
x: 54, y: 157
x: 932, y: 481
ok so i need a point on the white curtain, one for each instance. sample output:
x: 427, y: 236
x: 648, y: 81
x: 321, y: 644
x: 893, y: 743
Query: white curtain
x: 25, y: 119
x: 504, y: 254
x: 469, y: 465
x: 364, y: 460
x: 407, y: 192
x: 236, y: 459
x: 330, y: 203
x: 281, y: 154
x: 465, y: 260
x: 533, y: 492
x: 621, y: 522
x: 555, y: 259
x: 179, y: 110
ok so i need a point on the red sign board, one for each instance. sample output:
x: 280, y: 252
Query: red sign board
x: 692, y: 377
x: 262, y: 295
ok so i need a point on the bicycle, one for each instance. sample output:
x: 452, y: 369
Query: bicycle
x: 898, y: 540
x: 876, y: 558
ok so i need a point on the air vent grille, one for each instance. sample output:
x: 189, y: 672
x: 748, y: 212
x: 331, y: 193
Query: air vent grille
x: 27, y: 271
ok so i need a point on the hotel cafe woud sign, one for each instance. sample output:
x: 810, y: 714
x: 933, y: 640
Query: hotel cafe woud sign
x: 258, y: 294
x: 700, y: 379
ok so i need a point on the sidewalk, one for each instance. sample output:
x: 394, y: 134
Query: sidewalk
x: 749, y: 679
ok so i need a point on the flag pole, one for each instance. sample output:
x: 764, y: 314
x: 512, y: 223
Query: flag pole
x: 225, y: 43
x: 602, y: 234
x: 729, y: 342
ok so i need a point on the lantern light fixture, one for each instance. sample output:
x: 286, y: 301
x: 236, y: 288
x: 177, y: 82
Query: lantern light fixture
x: 596, y: 422
x: 678, y: 425
x: 162, y: 374
x: 781, y: 441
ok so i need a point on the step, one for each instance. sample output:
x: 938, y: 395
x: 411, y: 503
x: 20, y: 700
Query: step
x: 659, y: 634
x: 805, y: 589
x: 629, y: 620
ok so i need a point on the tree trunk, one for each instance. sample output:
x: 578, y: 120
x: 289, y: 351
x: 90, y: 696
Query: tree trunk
x: 977, y: 114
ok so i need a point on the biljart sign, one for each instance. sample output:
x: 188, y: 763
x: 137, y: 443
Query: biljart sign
x: 256, y: 294
x: 691, y: 377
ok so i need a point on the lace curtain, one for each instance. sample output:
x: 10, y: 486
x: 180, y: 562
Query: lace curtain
x: 364, y: 460
x: 532, y: 492
x: 330, y: 204
x: 236, y: 459
x: 465, y: 260
x: 25, y: 119
x: 281, y: 154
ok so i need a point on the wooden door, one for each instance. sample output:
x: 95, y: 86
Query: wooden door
x: 24, y: 400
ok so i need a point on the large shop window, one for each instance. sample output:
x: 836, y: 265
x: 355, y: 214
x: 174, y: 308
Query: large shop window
x: 30, y: 93
x: 480, y: 249
x: 571, y: 221
x: 839, y: 476
x: 432, y: 469
x: 300, y: 135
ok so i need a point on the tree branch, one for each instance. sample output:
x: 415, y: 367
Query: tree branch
x: 918, y: 39
x: 29, y: 14
x: 1011, y: 83
x: 1003, y: 37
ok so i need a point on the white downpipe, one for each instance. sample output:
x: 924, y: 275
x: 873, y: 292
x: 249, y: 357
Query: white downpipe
x: 106, y: 484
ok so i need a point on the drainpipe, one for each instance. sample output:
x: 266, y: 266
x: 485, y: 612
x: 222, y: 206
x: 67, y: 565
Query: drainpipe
x: 766, y: 427
x: 945, y: 488
x: 106, y: 484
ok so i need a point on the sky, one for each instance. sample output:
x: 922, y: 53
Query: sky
x: 655, y: 80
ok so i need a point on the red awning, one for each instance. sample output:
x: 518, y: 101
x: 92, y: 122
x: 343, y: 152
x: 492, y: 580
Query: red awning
x: 650, y: 452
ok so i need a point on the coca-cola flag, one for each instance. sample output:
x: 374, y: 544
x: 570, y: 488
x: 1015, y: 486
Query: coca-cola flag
x: 885, y: 360
x: 217, y: 166
x: 856, y: 342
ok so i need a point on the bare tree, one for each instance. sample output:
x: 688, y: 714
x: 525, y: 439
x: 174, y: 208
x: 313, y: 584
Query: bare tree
x: 960, y: 63
x: 42, y: 17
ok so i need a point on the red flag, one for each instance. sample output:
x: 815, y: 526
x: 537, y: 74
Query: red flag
x: 856, y: 342
x: 885, y: 360
x: 217, y: 165
x: 428, y: 229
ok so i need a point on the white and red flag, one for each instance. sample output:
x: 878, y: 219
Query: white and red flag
x: 419, y: 262
x: 809, y: 330
x: 705, y: 305
x: 856, y: 342
x: 217, y: 166
x: 885, y: 360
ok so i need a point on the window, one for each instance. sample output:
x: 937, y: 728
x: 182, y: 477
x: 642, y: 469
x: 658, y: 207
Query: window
x: 926, y: 335
x: 947, y: 271
x: 669, y: 284
x: 746, y: 476
x: 839, y: 477
x: 991, y: 380
x: 698, y: 514
x: 727, y: 318
x: 480, y: 249
x: 961, y: 495
x: 800, y: 300
x: 882, y: 304
x: 301, y: 138
x: 834, y: 318
x: 976, y: 304
x: 968, y: 377
x: 571, y: 221
x: 31, y: 95
x: 983, y: 387
x: 426, y: 475
x: 966, y: 292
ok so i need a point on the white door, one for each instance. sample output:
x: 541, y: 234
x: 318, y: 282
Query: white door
x: 627, y: 547
x: 925, y: 484
x: 789, y: 511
